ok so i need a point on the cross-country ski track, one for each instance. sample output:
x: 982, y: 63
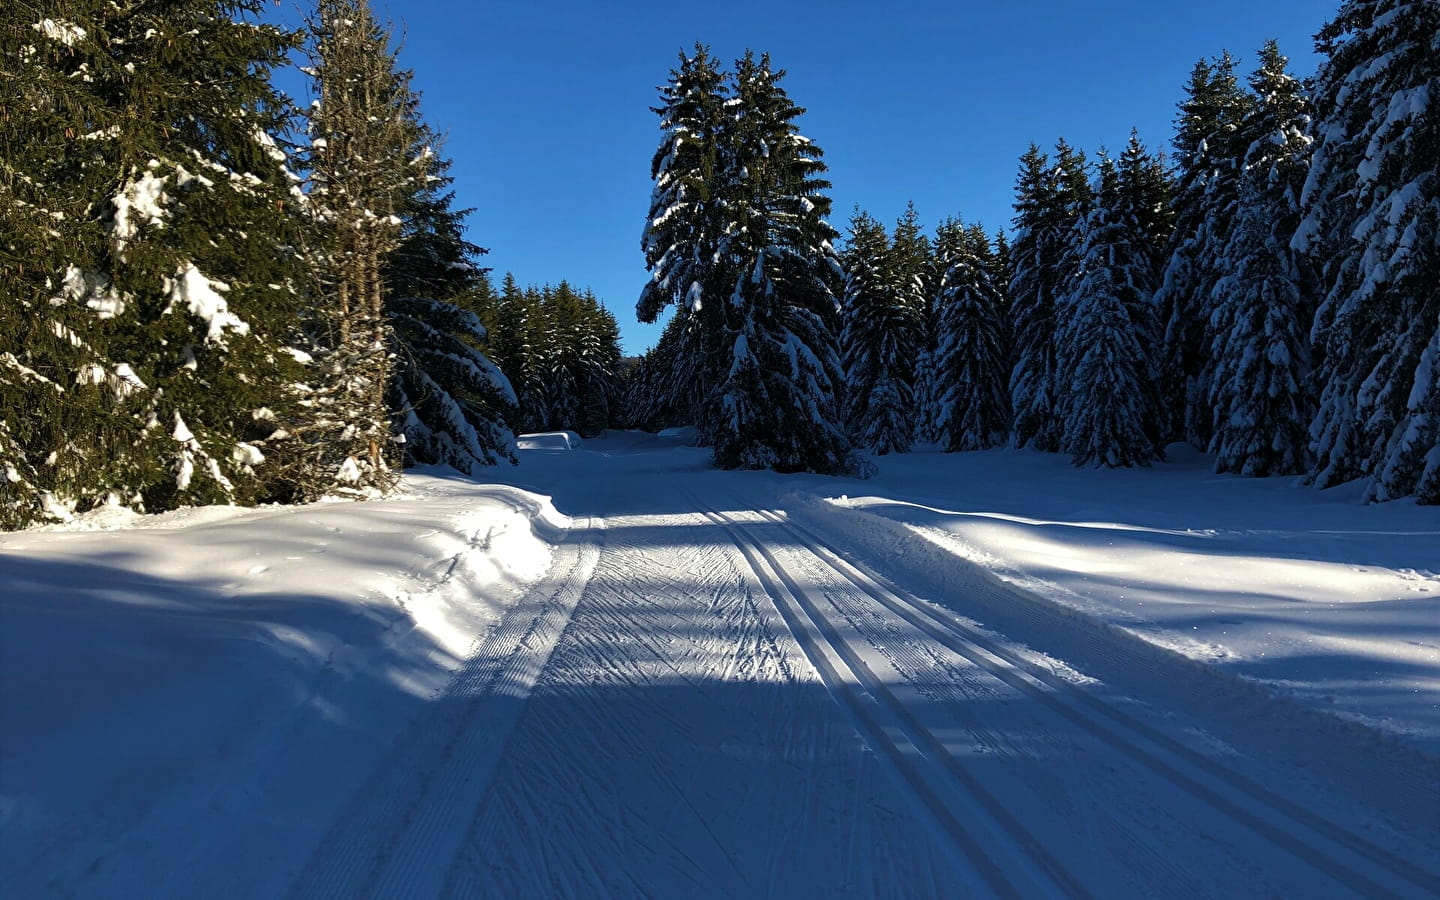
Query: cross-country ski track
x: 726, y: 687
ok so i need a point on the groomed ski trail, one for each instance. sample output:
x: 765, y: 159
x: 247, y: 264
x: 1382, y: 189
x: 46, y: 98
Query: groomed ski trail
x: 852, y: 637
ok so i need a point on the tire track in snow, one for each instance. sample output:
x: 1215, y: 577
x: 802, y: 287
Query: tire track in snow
x: 1347, y: 858
x: 413, y: 808
x: 892, y: 732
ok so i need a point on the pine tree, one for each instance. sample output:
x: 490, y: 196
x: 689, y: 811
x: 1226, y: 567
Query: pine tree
x: 1103, y: 334
x: 1210, y: 157
x: 598, y: 364
x: 777, y: 407
x: 665, y: 389
x: 1372, y: 205
x: 145, y: 321
x: 1145, y: 190
x: 1258, y: 331
x: 971, y: 365
x: 451, y: 399
x: 881, y: 311
x: 913, y: 261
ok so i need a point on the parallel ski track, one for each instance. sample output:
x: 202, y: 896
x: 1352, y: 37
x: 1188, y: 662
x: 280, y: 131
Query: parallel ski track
x: 887, y: 726
x: 402, y: 827
x: 1263, y: 811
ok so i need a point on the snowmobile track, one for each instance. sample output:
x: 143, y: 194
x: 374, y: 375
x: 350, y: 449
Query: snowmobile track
x: 1345, y: 856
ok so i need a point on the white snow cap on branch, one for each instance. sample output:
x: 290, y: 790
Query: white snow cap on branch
x: 67, y: 33
x: 138, y: 202
x: 200, y: 297
x: 182, y: 432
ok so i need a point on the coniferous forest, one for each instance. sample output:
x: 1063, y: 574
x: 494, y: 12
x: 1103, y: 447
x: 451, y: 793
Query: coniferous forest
x: 211, y: 294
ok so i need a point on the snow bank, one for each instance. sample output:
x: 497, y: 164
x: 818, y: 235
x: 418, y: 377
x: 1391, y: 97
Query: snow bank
x: 160, y: 671
x: 1309, y: 592
x: 549, y: 440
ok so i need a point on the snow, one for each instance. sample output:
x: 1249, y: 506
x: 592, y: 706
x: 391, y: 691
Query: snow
x: 160, y: 676
x: 550, y: 440
x: 627, y: 673
x: 140, y: 202
x: 67, y: 33
x: 1331, y: 602
x: 192, y: 291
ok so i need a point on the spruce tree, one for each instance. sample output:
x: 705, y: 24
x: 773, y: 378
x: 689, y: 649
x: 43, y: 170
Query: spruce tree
x: 686, y: 238
x: 1104, y: 332
x: 144, y: 324
x: 1032, y: 303
x: 665, y: 389
x: 777, y: 406
x: 449, y: 401
x: 1210, y: 156
x: 1372, y: 221
x: 1261, y: 304
x: 520, y: 346
x: 882, y: 312
x: 1050, y: 200
x: 363, y: 172
x: 971, y: 361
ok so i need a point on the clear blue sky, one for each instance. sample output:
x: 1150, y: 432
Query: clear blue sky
x: 546, y: 103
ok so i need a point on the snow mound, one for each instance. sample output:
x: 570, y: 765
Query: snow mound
x: 550, y: 440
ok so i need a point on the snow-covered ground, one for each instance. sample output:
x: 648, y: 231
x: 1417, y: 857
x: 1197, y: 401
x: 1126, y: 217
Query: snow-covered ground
x: 622, y: 672
x: 1307, y: 591
x: 188, y: 696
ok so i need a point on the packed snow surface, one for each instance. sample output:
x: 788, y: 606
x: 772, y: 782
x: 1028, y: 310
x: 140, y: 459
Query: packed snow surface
x: 625, y: 673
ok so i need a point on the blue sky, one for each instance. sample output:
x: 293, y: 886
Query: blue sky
x: 546, y: 103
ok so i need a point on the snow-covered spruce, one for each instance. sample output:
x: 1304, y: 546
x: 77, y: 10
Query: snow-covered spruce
x: 451, y: 397
x: 971, y: 361
x: 738, y: 236
x: 1258, y: 329
x: 1049, y: 202
x: 1209, y: 156
x: 1372, y: 220
x: 1104, y: 332
x: 777, y: 406
x: 882, y: 329
x: 686, y: 235
x: 156, y: 284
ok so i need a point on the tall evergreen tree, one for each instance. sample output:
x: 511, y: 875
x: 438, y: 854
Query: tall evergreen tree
x: 882, y: 317
x: 1210, y: 156
x: 971, y: 365
x: 1050, y: 201
x: 148, y: 282
x: 686, y: 237
x: 913, y: 261
x: 777, y: 406
x: 1261, y: 303
x: 363, y: 172
x: 665, y: 389
x: 1104, y: 332
x: 450, y: 402
x: 520, y: 345
x: 1372, y: 203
